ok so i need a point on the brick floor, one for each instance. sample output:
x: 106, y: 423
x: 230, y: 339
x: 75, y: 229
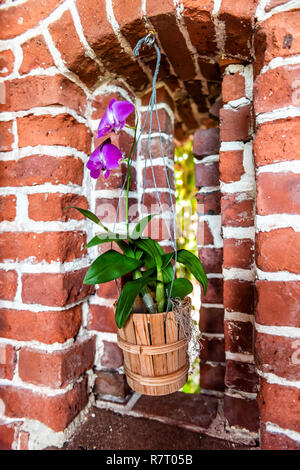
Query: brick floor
x: 108, y: 430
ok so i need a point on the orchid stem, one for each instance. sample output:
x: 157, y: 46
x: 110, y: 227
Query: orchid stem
x: 128, y: 177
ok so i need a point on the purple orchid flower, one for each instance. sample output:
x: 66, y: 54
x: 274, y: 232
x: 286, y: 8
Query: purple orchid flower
x: 114, y: 117
x: 104, y: 158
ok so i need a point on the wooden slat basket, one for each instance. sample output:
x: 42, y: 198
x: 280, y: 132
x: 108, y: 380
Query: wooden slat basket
x: 155, y: 354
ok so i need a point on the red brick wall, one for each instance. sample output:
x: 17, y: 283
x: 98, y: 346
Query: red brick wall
x: 276, y: 153
x: 237, y: 209
x: 210, y: 247
x: 60, y: 63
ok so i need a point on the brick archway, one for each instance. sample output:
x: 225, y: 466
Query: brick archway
x: 60, y: 63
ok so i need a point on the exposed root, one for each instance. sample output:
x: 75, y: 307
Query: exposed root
x: 182, y: 312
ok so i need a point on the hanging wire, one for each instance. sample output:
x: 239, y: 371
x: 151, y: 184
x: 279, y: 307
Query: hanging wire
x: 149, y: 40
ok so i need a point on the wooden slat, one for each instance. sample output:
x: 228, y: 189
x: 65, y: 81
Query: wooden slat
x: 143, y: 337
x: 182, y: 353
x: 158, y: 337
x: 132, y: 361
x: 172, y: 336
x: 136, y: 331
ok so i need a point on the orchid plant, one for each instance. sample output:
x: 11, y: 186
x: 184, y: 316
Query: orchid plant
x: 150, y: 268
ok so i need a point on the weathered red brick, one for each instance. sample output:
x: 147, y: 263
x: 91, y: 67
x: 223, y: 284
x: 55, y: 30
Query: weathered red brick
x: 241, y: 413
x: 7, y: 59
x: 130, y: 19
x: 165, y: 122
x: 235, y: 124
x: 278, y: 193
x: 204, y: 235
x: 278, y: 303
x: 163, y: 18
x: 209, y: 70
x: 238, y: 296
x: 18, y: 19
x: 268, y: 96
x: 162, y: 96
x: 8, y: 284
x: 206, y: 142
x: 277, y: 36
x: 112, y: 356
x: 241, y: 376
x: 207, y: 174
x: 199, y: 22
x: 37, y: 169
x: 211, y: 320
x: 47, y: 246
x: 111, y: 383
x: 101, y: 37
x: 29, y: 92
x: 63, y: 129
x: 237, y: 210
x: 8, y: 360
x: 278, y: 355
x: 107, y: 209
x: 208, y: 203
x: 156, y: 150
x: 52, y: 206
x: 276, y: 441
x: 7, y: 208
x: 238, y: 253
x: 163, y: 177
x: 238, y: 337
x: 212, y: 349
x: 8, y: 433
x: 233, y: 87
x: 239, y: 21
x: 59, y: 368
x: 102, y: 318
x: 214, y: 110
x: 67, y: 41
x: 57, y: 290
x: 46, y: 326
x: 212, y: 376
x: 278, y: 250
x: 211, y: 258
x: 35, y: 55
x: 186, y: 115
x: 214, y: 293
x: 6, y: 136
x: 231, y: 166
x: 279, y: 404
x: 54, y: 411
x: 109, y: 290
x: 165, y: 201
x: 277, y: 141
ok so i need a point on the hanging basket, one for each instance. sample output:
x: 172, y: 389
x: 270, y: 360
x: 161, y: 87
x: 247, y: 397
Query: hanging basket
x: 155, y: 352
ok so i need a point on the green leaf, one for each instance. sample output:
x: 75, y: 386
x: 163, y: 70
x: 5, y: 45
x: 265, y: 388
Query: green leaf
x: 194, y: 265
x: 89, y: 215
x: 128, y: 295
x: 103, y: 238
x: 111, y: 265
x: 180, y: 289
x: 127, y: 250
x: 149, y: 246
x: 140, y: 226
x: 112, y: 237
x: 168, y: 273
